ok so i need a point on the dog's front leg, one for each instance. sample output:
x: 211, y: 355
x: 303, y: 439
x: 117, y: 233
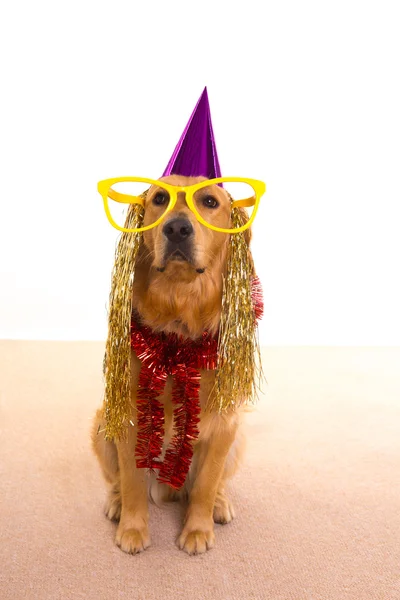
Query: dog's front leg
x: 198, y: 531
x: 133, y: 532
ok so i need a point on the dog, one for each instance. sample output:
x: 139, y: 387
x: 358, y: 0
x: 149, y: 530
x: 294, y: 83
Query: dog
x: 177, y: 289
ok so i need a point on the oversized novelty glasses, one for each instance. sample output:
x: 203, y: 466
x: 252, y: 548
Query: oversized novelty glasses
x: 207, y: 203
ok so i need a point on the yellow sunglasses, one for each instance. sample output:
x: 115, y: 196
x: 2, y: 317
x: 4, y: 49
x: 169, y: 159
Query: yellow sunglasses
x: 107, y: 191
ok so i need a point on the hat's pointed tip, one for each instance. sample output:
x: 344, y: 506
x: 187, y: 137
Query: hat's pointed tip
x: 204, y: 95
x: 195, y: 153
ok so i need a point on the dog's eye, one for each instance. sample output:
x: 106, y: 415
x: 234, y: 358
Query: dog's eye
x: 210, y: 202
x: 160, y: 199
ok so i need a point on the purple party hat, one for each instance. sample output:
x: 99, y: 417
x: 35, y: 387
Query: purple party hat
x: 195, y: 153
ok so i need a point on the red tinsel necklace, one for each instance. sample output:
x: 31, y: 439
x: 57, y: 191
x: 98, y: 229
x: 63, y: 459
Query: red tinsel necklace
x: 162, y: 355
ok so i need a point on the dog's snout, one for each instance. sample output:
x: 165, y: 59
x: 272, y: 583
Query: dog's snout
x: 178, y: 230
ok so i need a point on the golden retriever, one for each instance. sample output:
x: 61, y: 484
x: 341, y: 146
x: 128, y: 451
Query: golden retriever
x: 177, y: 288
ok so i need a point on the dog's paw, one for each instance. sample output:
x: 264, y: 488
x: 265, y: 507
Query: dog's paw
x: 196, y: 541
x: 112, y: 507
x: 223, y: 510
x: 133, y: 541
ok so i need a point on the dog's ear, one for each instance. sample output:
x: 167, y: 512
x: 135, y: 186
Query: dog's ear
x: 247, y: 233
x: 244, y: 217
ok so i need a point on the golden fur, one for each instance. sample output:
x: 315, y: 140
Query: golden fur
x: 177, y: 299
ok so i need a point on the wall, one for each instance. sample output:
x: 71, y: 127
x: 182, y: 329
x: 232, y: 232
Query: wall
x: 303, y: 95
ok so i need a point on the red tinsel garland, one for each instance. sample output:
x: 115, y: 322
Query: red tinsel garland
x: 257, y: 297
x: 162, y: 355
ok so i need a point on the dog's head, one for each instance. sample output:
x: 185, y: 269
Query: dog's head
x: 181, y: 246
x: 178, y: 281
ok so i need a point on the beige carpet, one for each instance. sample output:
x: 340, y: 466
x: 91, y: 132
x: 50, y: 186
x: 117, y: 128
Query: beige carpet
x: 318, y: 499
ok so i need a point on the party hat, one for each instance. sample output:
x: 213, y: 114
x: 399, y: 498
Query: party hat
x: 196, y: 154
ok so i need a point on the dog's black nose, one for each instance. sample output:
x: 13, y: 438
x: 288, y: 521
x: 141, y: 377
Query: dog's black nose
x: 178, y: 230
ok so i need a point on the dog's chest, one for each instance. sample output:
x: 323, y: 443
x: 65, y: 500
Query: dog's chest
x: 207, y: 379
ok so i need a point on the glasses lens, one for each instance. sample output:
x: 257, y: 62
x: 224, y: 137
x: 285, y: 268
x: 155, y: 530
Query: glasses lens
x: 244, y: 197
x: 157, y: 202
x: 215, y: 204
x: 121, y: 196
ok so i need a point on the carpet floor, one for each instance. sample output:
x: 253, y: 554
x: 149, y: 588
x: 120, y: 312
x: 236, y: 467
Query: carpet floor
x: 317, y: 499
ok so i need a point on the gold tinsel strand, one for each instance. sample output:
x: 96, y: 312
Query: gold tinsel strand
x: 239, y: 368
x: 117, y: 360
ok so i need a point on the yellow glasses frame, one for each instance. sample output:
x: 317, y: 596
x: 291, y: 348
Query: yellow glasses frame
x: 104, y: 188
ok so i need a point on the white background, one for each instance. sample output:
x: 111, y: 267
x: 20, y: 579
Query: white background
x: 304, y: 95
